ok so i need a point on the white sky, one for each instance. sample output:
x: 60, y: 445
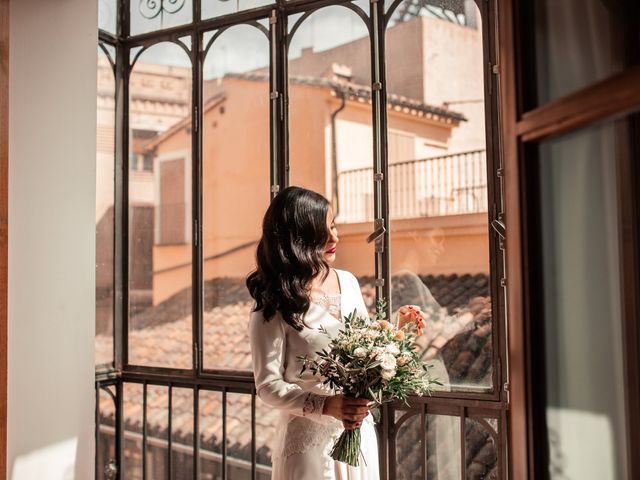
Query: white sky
x: 242, y: 48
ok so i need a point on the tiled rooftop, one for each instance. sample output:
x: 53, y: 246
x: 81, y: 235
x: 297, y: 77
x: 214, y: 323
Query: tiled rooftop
x: 458, y: 333
x: 354, y: 90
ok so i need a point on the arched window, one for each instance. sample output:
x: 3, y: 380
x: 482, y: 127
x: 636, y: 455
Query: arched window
x: 387, y: 109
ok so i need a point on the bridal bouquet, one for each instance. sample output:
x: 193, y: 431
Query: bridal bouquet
x: 371, y: 358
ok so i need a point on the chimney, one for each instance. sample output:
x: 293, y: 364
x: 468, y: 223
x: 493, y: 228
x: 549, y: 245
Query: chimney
x: 341, y: 73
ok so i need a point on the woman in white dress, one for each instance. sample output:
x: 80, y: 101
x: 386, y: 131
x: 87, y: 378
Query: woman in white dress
x: 297, y: 292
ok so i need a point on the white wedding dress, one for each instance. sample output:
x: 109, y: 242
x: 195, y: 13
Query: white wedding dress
x: 304, y: 438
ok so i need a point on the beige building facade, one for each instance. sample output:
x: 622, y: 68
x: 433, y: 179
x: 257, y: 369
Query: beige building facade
x: 440, y: 223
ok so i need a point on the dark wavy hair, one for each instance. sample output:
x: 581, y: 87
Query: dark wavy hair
x: 290, y: 254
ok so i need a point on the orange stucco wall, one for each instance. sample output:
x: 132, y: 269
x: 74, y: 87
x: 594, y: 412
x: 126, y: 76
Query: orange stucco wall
x: 437, y: 245
x: 236, y: 154
x: 236, y: 166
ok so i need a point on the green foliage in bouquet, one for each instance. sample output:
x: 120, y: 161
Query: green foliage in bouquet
x: 370, y: 358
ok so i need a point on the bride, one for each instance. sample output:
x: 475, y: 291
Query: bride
x: 297, y: 293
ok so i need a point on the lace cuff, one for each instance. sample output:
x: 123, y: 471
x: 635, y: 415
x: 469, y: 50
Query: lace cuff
x: 313, y: 406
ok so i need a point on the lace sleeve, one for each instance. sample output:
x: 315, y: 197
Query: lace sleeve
x: 268, y: 345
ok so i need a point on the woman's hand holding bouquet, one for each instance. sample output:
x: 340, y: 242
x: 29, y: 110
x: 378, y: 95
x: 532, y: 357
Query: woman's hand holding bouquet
x: 350, y: 410
x: 370, y: 360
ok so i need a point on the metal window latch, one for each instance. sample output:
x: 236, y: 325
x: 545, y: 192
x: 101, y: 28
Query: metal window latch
x: 500, y: 228
x: 377, y: 235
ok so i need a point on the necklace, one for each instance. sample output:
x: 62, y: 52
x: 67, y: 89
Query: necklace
x: 331, y: 303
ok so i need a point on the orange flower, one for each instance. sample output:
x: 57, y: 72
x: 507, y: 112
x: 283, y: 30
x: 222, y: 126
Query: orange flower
x: 411, y: 314
x: 384, y: 325
x: 399, y: 335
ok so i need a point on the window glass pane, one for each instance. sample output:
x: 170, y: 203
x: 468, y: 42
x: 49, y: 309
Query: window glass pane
x: 409, y: 446
x: 107, y: 15
x: 238, y: 424
x: 438, y: 186
x: 580, y: 330
x: 157, y: 432
x: 363, y: 4
x: 442, y: 436
x: 217, y: 8
x: 132, y: 415
x: 182, y: 434
x: 593, y: 44
x: 150, y: 15
x: 480, y: 450
x: 210, y: 426
x: 462, y: 12
x: 266, y: 423
x: 160, y: 208
x: 330, y: 129
x: 238, y: 436
x: 105, y: 151
x: 106, y: 447
x: 236, y: 176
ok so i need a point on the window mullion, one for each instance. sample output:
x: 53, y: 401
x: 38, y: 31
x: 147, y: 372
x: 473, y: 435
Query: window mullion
x: 196, y: 201
x: 381, y: 199
x: 380, y: 161
x: 121, y: 207
x: 495, y: 205
x: 124, y: 21
x: 279, y: 175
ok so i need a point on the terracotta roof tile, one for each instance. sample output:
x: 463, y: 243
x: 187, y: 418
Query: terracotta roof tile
x: 351, y: 89
x: 459, y: 331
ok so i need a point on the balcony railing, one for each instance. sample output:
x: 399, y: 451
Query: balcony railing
x: 446, y: 185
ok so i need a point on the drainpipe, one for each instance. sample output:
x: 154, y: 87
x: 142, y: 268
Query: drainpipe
x: 334, y: 152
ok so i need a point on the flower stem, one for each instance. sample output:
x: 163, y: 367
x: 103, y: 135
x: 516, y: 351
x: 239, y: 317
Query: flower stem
x: 347, y: 448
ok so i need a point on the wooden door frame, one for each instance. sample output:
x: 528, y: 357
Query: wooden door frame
x: 4, y: 233
x: 611, y: 98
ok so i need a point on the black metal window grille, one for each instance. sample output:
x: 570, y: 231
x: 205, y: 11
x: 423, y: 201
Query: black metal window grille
x: 471, y: 412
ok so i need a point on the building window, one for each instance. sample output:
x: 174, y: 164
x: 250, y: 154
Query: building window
x: 171, y: 209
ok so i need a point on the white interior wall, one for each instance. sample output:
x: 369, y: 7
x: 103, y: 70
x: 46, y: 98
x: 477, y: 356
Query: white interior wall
x: 52, y: 155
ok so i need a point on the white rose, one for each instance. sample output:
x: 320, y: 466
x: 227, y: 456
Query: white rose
x: 392, y: 348
x: 388, y: 362
x: 360, y: 352
x: 388, y: 374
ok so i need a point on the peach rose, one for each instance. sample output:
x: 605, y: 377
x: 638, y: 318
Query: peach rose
x: 411, y: 314
x: 384, y: 325
x: 399, y: 335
